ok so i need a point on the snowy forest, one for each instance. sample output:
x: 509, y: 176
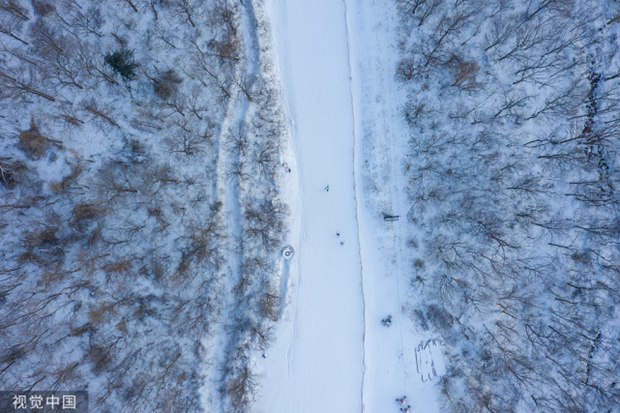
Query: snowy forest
x: 139, y: 211
x: 512, y: 111
x: 311, y: 205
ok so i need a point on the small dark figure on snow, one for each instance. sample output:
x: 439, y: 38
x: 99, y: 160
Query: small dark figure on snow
x: 327, y: 188
x: 341, y: 242
x: 404, y: 407
x: 387, y: 321
x: 337, y: 234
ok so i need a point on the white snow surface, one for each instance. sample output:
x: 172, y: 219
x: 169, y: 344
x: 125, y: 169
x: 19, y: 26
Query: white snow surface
x: 331, y: 354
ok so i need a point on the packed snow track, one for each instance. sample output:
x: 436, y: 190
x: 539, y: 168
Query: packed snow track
x: 319, y: 351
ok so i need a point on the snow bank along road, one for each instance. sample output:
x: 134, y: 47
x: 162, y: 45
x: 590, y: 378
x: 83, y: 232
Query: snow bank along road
x: 331, y: 354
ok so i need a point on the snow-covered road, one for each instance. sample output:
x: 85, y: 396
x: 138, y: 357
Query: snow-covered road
x: 319, y: 354
x: 331, y: 353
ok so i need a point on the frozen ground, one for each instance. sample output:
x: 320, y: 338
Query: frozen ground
x: 332, y: 354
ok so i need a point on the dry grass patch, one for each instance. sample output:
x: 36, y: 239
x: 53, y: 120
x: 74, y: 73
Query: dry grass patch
x: 60, y: 187
x: 464, y: 72
x: 101, y: 313
x: 33, y: 143
x: 117, y: 267
x: 45, y: 236
x: 85, y: 211
x: 269, y: 306
x: 166, y: 85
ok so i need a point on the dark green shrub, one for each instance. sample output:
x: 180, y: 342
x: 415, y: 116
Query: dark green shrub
x: 122, y: 62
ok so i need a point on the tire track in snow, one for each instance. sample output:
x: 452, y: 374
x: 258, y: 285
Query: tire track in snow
x: 355, y: 200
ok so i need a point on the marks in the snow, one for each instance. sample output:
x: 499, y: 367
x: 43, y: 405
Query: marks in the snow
x: 355, y: 199
x: 287, y: 254
x: 429, y: 360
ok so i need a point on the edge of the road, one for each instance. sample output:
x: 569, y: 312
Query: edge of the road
x: 353, y: 78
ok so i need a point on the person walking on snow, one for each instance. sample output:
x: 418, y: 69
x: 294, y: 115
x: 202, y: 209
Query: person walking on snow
x: 404, y: 407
